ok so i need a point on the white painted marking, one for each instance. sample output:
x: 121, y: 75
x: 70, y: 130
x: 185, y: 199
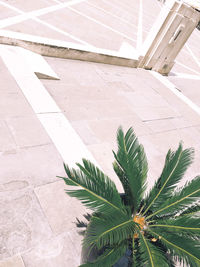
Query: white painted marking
x: 185, y: 76
x: 29, y: 15
x: 193, y: 56
x: 173, y: 89
x: 66, y: 140
x: 128, y: 50
x: 186, y: 67
x: 11, y: 7
x: 37, y: 64
x: 42, y: 11
x: 113, y: 15
x: 139, y: 31
x: 100, y: 23
x: 54, y: 28
x: 56, y: 1
x: 31, y: 87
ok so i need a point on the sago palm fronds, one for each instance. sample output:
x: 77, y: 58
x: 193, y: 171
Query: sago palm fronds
x: 159, y: 229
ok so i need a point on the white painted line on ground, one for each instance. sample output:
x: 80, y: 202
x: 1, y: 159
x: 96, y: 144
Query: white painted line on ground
x: 173, y: 89
x: 193, y: 56
x: 186, y: 67
x: 11, y: 7
x: 101, y: 24
x: 64, y: 137
x: 24, y: 75
x: 37, y: 63
x: 185, y: 76
x: 115, y: 4
x: 54, y: 28
x: 26, y: 16
x: 56, y: 1
x: 113, y: 15
x: 128, y: 50
x: 45, y: 10
x: 139, y: 31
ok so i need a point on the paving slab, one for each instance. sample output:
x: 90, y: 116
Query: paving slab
x: 29, y: 6
x: 104, y: 18
x: 103, y: 37
x: 61, y: 250
x: 36, y: 165
x: 38, y: 28
x: 6, y: 12
x: 56, y: 205
x: 27, y: 132
x: 15, y: 261
x: 22, y: 224
x: 7, y: 143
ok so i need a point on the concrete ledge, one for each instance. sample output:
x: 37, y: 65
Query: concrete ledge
x: 61, y: 49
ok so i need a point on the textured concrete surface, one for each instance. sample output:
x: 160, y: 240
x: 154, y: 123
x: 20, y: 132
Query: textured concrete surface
x: 36, y: 216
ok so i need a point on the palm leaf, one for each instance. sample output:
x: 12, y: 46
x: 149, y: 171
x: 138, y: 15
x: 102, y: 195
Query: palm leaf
x: 109, y: 257
x: 184, y: 225
x: 131, y: 166
x: 152, y: 255
x: 101, y: 196
x: 183, y: 248
x: 176, y: 164
x: 109, y: 230
x: 181, y: 199
x: 192, y: 210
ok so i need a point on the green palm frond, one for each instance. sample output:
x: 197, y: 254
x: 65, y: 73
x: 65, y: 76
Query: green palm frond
x: 187, y: 195
x: 109, y: 257
x: 101, y: 196
x: 183, y: 248
x: 158, y: 230
x: 192, y: 210
x: 186, y: 225
x: 131, y: 166
x: 176, y: 164
x: 152, y: 255
x: 111, y: 229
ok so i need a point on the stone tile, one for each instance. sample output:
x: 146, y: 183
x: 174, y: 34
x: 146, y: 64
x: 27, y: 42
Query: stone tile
x: 167, y: 124
x: 156, y: 113
x: 157, y: 145
x: 15, y: 261
x: 8, y: 84
x: 14, y: 104
x: 84, y: 131
x: 6, y: 12
x: 105, y: 18
x: 60, y: 209
x: 25, y: 6
x: 146, y: 99
x: 35, y: 28
x: 7, y: 142
x: 22, y: 222
x: 105, y: 129
x: 104, y: 156
x: 62, y: 250
x: 103, y: 37
x: 35, y: 165
x: 116, y: 108
x: 191, y: 90
x: 27, y: 131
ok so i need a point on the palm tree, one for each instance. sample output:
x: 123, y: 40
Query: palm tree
x: 160, y: 228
